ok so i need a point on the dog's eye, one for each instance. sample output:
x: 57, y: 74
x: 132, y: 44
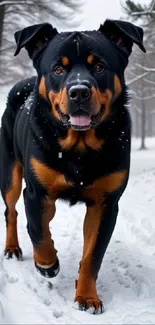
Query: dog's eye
x: 99, y: 68
x: 58, y: 70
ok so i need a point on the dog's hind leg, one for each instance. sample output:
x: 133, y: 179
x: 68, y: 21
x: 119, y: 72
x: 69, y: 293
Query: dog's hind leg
x: 11, y: 194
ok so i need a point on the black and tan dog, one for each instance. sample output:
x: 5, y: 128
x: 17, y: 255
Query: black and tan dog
x: 67, y: 131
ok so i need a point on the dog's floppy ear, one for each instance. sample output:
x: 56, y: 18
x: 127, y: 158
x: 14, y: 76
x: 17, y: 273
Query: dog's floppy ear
x: 123, y: 34
x: 34, y: 38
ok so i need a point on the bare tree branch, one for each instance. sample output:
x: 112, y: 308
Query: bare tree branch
x: 145, y: 68
x: 144, y: 98
x: 149, y: 81
x: 130, y: 82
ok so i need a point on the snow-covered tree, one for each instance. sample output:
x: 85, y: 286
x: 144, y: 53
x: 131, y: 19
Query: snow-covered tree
x: 141, y: 71
x: 17, y: 14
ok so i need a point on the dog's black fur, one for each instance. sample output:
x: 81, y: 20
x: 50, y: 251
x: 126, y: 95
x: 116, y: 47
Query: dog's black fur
x: 69, y: 130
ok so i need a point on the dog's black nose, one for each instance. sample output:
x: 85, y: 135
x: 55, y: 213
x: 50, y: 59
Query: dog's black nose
x: 79, y: 93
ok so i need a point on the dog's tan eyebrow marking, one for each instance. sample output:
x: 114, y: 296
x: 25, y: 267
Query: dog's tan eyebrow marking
x: 90, y: 59
x: 65, y: 61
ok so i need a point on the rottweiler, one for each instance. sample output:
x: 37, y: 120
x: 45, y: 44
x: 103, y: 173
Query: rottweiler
x: 67, y: 131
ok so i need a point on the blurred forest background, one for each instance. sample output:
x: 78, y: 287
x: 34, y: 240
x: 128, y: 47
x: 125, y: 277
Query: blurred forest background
x: 140, y: 74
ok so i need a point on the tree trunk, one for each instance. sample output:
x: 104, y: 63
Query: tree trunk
x: 136, y: 123
x: 150, y: 131
x: 2, y: 12
x: 143, y: 114
x: 143, y: 126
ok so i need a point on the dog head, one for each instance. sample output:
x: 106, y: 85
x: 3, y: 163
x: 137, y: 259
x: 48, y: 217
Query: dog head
x: 81, y: 74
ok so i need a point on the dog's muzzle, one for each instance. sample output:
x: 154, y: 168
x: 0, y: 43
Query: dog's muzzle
x: 80, y: 115
x: 80, y: 107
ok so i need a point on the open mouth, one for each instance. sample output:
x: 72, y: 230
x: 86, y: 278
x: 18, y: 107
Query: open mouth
x: 96, y: 119
x: 81, y: 122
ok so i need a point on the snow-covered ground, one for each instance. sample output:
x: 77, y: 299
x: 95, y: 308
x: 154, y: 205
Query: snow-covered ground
x: 127, y: 278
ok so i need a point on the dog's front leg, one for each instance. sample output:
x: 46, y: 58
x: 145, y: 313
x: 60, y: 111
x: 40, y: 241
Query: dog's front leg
x: 98, y: 227
x: 40, y: 211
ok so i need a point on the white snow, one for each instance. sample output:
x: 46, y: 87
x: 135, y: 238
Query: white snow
x: 126, y: 280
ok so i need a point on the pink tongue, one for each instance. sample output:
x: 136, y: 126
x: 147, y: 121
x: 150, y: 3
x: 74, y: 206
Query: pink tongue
x: 80, y: 120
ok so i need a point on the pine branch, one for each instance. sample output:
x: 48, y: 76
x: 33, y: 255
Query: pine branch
x: 137, y: 10
x: 7, y: 2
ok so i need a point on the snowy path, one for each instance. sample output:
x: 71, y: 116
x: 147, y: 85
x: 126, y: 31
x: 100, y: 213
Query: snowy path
x: 126, y: 281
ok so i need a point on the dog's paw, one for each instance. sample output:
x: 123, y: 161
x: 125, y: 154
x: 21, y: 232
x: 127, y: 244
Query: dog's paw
x: 92, y: 306
x: 10, y: 252
x: 48, y: 271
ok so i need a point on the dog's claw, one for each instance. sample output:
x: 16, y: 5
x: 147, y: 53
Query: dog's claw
x: 13, y: 251
x: 92, y: 306
x: 49, y: 272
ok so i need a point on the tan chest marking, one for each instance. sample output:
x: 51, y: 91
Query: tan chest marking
x: 55, y: 182
x: 81, y: 140
x: 49, y: 178
x: 106, y: 184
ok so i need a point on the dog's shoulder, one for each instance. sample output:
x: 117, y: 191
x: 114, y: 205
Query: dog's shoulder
x: 20, y: 91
